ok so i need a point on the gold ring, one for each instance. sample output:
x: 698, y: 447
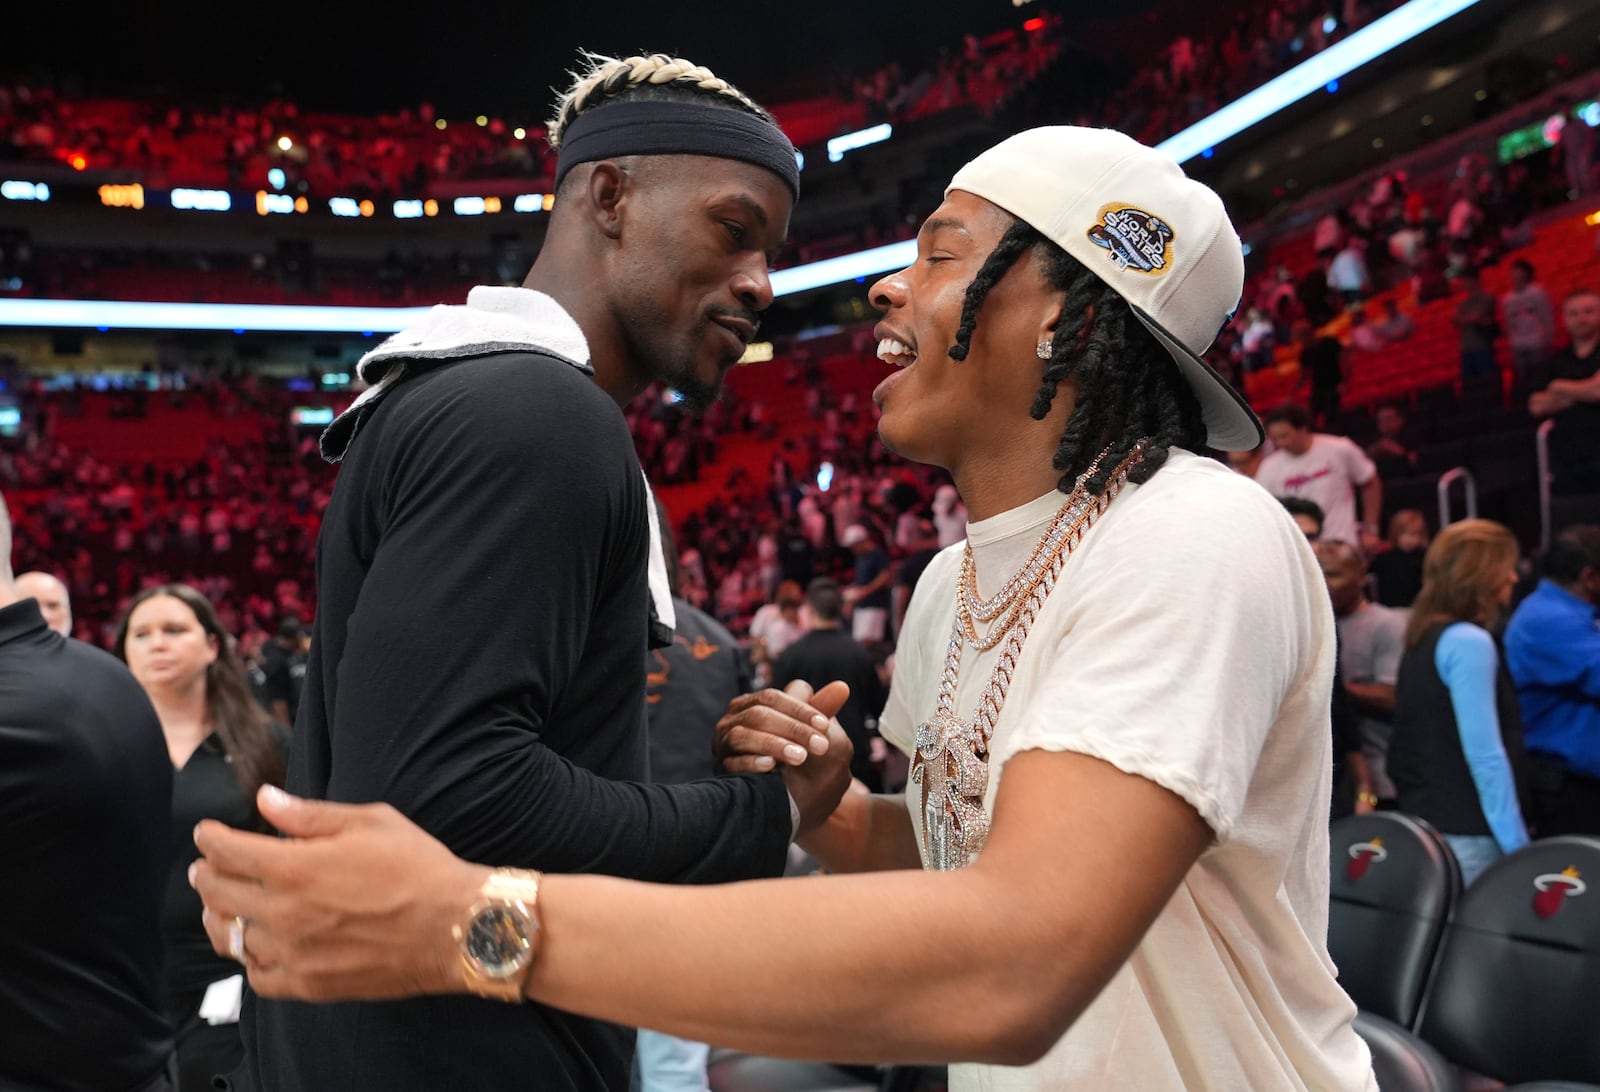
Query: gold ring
x: 236, y: 939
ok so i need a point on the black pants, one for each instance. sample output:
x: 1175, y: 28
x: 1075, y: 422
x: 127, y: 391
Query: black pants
x: 204, y: 1051
x: 1563, y: 802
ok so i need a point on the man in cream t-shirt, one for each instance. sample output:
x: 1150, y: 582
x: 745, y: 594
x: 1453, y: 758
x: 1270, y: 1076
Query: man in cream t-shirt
x: 1189, y: 641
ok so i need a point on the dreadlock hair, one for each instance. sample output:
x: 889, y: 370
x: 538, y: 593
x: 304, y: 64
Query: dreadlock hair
x: 657, y: 76
x: 1129, y: 386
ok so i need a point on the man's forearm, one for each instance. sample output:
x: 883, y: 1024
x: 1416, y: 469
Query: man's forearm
x: 1372, y: 501
x: 866, y: 833
x: 1372, y: 697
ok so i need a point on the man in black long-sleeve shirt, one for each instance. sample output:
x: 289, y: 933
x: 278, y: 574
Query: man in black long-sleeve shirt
x: 478, y: 655
x: 85, y: 840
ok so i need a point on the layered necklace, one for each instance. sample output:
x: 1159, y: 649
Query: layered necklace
x: 951, y: 764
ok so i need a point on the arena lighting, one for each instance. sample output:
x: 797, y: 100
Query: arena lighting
x: 847, y: 267
x: 276, y: 178
x: 269, y: 203
x: 15, y: 190
x: 799, y: 161
x: 858, y: 139
x: 239, y: 317
x: 519, y: 132
x: 122, y: 197
x: 469, y: 206
x: 344, y: 206
x: 1033, y: 25
x: 285, y: 144
x: 202, y: 200
x: 408, y: 210
x: 1339, y: 59
x: 528, y: 202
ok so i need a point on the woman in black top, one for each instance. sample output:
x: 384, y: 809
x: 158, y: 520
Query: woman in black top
x: 1398, y: 570
x: 223, y: 747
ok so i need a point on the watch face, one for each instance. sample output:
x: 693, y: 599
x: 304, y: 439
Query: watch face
x: 500, y: 941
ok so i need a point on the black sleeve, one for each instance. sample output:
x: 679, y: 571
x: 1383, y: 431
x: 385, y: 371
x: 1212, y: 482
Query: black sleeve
x: 275, y: 679
x: 783, y: 670
x: 508, y: 524
x: 1346, y: 731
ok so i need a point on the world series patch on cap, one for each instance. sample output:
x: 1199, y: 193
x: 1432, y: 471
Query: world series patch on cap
x: 1132, y: 217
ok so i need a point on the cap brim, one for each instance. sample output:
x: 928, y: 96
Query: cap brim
x: 1231, y: 425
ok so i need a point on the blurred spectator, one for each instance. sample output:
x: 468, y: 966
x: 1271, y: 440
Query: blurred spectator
x: 1572, y: 401
x: 776, y: 625
x: 828, y: 653
x: 924, y: 547
x: 54, y: 602
x: 1322, y: 362
x: 1364, y: 338
x: 1347, y: 274
x: 1456, y: 757
x: 868, y: 595
x: 1394, y: 327
x: 1392, y: 452
x: 1553, y: 652
x: 1247, y: 462
x: 1475, y: 320
x: 1575, y: 150
x: 1307, y: 515
x: 1398, y: 570
x: 1258, y: 341
x: 1371, y: 641
x: 85, y: 832
x: 1530, y: 324
x: 949, y: 515
x: 1326, y: 469
x: 283, y: 668
x: 223, y: 749
x: 688, y: 686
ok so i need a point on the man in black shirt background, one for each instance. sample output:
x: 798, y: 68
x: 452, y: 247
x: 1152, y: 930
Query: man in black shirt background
x: 283, y: 667
x: 85, y: 840
x: 828, y: 653
x: 1572, y: 401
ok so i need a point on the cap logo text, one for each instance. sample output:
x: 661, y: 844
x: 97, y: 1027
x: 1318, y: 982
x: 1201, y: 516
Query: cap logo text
x: 1134, y: 239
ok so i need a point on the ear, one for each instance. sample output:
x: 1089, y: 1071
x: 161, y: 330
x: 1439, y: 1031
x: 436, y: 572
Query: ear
x: 211, y: 644
x: 606, y: 187
x: 1054, y: 322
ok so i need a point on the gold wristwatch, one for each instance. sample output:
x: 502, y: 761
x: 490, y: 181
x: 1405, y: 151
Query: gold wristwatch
x: 499, y: 935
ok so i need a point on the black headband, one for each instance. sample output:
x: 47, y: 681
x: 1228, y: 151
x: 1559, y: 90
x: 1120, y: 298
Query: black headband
x: 658, y: 127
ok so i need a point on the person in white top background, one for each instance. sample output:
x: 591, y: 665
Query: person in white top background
x: 1110, y: 870
x: 1323, y: 468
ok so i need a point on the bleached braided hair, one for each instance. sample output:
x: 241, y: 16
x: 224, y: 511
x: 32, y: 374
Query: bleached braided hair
x: 609, y: 79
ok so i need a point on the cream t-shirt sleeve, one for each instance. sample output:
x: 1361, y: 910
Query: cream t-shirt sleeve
x: 1190, y: 624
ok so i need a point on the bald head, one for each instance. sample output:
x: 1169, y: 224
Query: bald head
x: 52, y: 596
x: 1345, y: 570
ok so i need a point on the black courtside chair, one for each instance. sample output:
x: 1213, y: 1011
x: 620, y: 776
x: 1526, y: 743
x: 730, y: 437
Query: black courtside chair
x: 1393, y: 885
x: 1401, y: 1061
x: 1516, y: 992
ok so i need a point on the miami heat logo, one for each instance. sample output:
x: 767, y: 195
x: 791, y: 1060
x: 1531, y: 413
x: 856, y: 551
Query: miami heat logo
x: 1136, y: 239
x: 1362, y: 857
x: 1553, y: 889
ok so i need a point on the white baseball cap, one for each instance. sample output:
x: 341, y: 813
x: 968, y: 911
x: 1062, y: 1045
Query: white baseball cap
x: 1133, y: 218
